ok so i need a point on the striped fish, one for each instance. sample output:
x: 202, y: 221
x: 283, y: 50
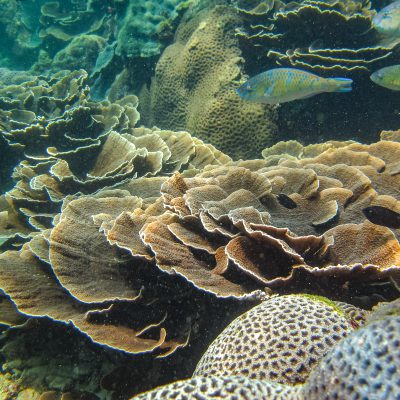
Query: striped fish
x: 281, y: 85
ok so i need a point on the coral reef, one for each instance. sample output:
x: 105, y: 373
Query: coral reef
x: 317, y: 35
x: 125, y: 251
x: 81, y: 53
x: 364, y: 363
x: 103, y: 37
x: 71, y: 146
x: 162, y: 232
x: 146, y: 24
x: 194, y: 88
x: 330, y: 38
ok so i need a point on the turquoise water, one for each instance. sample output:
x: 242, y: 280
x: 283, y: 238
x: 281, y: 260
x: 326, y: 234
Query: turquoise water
x: 166, y: 166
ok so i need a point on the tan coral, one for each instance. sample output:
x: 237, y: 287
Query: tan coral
x: 194, y: 88
x: 21, y: 273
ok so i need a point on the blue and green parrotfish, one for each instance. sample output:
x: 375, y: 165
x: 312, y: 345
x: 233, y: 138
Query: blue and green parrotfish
x: 280, y: 85
x: 388, y: 77
x: 387, y: 21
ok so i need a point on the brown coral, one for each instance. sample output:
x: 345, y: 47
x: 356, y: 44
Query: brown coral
x: 209, y: 236
x: 64, y: 128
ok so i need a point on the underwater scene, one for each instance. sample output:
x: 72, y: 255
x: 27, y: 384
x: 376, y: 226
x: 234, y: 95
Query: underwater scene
x: 199, y: 199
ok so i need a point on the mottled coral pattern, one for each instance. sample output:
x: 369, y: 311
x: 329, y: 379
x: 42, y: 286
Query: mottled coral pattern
x: 366, y: 365
x: 280, y: 340
x: 229, y: 388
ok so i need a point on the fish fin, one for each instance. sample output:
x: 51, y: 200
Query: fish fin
x: 341, y: 85
x: 372, y: 27
x: 316, y: 45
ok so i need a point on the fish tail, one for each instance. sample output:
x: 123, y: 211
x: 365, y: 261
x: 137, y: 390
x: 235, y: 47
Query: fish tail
x: 341, y: 85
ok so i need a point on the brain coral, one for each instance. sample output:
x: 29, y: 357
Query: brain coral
x: 362, y: 364
x: 230, y: 388
x: 366, y: 365
x: 194, y: 88
x: 280, y: 340
x: 167, y: 234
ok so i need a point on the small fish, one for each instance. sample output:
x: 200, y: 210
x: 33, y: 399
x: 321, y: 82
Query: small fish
x: 280, y: 85
x: 379, y: 215
x: 286, y: 201
x: 388, y: 77
x: 387, y: 21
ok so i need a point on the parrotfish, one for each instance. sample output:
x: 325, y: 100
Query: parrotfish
x: 387, y: 21
x: 388, y: 77
x: 280, y: 85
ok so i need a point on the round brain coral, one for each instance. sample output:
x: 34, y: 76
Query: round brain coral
x: 280, y: 340
x: 364, y: 366
x: 229, y: 388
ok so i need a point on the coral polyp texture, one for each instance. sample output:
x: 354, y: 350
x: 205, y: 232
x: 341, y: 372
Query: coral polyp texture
x: 194, y: 88
x: 230, y: 388
x: 363, y: 363
x: 280, y: 340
